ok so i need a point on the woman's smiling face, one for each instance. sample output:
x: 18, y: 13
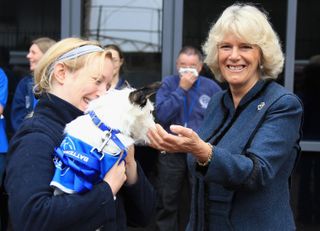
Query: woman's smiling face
x: 34, y: 55
x: 84, y: 86
x: 238, y: 62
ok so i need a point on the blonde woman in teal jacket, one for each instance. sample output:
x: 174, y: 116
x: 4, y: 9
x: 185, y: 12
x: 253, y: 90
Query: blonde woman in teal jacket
x: 247, y: 146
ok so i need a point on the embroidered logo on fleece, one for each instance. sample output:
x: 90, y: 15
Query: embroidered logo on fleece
x: 204, y: 101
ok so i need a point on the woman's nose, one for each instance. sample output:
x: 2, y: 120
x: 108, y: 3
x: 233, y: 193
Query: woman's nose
x: 101, y: 90
x: 234, y: 53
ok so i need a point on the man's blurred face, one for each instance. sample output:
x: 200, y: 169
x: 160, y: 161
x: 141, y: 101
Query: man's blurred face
x: 189, y: 61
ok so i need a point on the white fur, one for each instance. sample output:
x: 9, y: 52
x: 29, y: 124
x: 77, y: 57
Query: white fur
x: 116, y: 111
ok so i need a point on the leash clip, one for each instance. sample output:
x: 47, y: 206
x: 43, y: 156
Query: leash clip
x: 105, y: 141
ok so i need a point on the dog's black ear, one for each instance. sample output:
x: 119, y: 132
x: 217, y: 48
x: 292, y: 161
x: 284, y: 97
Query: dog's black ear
x: 140, y: 96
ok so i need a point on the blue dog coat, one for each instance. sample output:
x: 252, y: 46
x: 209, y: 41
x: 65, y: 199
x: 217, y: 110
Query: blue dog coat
x: 79, y: 165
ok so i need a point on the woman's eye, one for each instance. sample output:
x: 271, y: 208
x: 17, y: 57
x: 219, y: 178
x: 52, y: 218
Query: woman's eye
x: 246, y: 47
x: 225, y: 47
x: 98, y: 81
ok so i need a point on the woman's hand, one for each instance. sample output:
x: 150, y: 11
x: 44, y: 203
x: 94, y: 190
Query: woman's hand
x: 116, y: 176
x: 186, y: 141
x: 131, y: 166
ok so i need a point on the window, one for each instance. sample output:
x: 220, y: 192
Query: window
x: 23, y: 21
x: 307, y: 67
x: 135, y: 26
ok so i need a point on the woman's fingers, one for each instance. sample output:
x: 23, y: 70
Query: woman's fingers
x: 181, y: 131
x: 120, y: 158
x: 164, y: 141
x: 155, y: 136
x: 116, y: 176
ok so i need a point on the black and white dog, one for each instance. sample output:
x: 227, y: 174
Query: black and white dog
x: 94, y: 141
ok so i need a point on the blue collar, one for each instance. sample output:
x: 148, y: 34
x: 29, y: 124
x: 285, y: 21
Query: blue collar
x: 95, y: 119
x: 110, y: 133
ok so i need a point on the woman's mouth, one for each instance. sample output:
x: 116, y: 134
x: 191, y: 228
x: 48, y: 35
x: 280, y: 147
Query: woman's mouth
x: 236, y: 68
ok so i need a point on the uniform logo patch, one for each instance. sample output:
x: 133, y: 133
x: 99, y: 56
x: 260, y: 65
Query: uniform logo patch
x: 204, y: 101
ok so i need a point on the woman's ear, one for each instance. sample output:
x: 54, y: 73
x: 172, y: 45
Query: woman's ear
x: 59, y: 72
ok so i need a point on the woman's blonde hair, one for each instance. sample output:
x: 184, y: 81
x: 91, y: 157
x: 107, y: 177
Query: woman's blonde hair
x: 44, y: 43
x: 249, y: 23
x: 44, y: 70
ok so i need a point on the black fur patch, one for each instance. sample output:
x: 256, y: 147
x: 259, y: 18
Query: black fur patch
x: 141, y: 95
